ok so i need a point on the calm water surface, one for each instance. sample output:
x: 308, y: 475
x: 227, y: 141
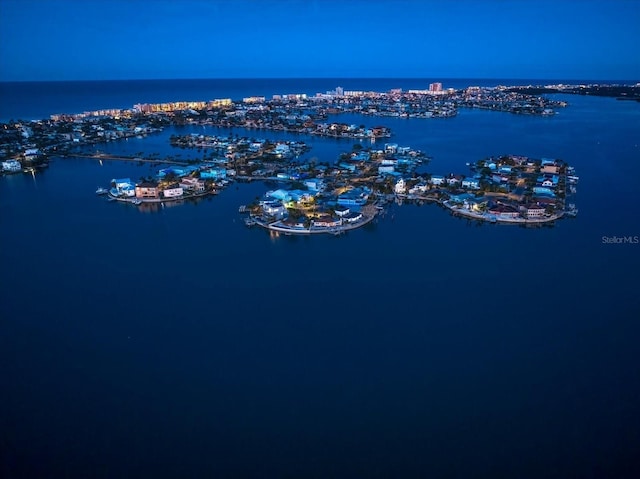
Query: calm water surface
x: 180, y: 343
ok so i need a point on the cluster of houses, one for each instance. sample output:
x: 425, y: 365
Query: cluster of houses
x: 241, y: 148
x: 509, y: 188
x: 293, y: 112
x: 27, y: 160
x: 505, y: 188
x: 507, y: 100
x: 325, y: 195
x: 11, y: 166
x: 344, y: 130
x: 173, y: 182
x: 340, y: 195
x: 32, y: 142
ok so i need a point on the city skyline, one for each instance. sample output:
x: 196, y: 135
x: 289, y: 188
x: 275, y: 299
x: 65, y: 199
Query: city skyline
x: 119, y: 40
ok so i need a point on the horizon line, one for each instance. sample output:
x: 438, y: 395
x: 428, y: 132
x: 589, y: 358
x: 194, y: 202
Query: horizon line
x: 318, y: 78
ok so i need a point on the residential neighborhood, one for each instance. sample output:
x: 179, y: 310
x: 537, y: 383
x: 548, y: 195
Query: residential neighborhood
x: 313, y: 195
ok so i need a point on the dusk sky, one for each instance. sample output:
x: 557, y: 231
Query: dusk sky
x: 129, y: 39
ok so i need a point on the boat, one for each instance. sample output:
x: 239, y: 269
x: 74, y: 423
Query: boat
x: 572, y: 210
x: 137, y: 201
x: 102, y: 191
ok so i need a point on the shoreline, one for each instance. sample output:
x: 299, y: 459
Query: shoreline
x: 277, y: 226
x: 140, y: 201
x: 497, y: 219
x: 292, y: 230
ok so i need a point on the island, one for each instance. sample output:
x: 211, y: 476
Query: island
x: 311, y: 196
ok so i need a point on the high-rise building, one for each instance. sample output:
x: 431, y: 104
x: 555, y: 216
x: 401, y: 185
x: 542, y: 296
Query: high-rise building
x: 434, y: 87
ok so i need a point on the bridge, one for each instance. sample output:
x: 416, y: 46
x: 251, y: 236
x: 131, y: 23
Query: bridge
x: 104, y: 156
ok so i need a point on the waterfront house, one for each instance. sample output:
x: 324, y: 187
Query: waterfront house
x: 437, y: 180
x: 327, y: 221
x: 342, y: 210
x: 173, y: 192
x: 533, y: 211
x: 504, y: 211
x: 352, y: 217
x: 400, y: 187
x: 192, y: 184
x: 273, y: 208
x: 297, y: 223
x: 124, y: 187
x: 214, y: 173
x: 147, y: 189
x: 474, y: 204
x: 11, y: 166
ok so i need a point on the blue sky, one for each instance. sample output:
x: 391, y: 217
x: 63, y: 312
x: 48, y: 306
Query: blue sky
x: 139, y: 39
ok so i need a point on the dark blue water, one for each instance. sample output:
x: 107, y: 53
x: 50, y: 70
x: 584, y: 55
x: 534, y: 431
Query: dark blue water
x: 179, y: 343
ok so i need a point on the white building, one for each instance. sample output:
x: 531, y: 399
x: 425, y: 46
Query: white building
x: 419, y: 188
x: 192, y: 184
x: 391, y: 147
x: 437, y: 180
x: 314, y: 184
x: 274, y: 208
x: 173, y: 192
x: 401, y: 187
x: 124, y: 187
x: 11, y: 165
x: 282, y: 149
x: 471, y: 183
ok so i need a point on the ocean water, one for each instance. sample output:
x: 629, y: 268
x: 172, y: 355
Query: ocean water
x: 178, y: 342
